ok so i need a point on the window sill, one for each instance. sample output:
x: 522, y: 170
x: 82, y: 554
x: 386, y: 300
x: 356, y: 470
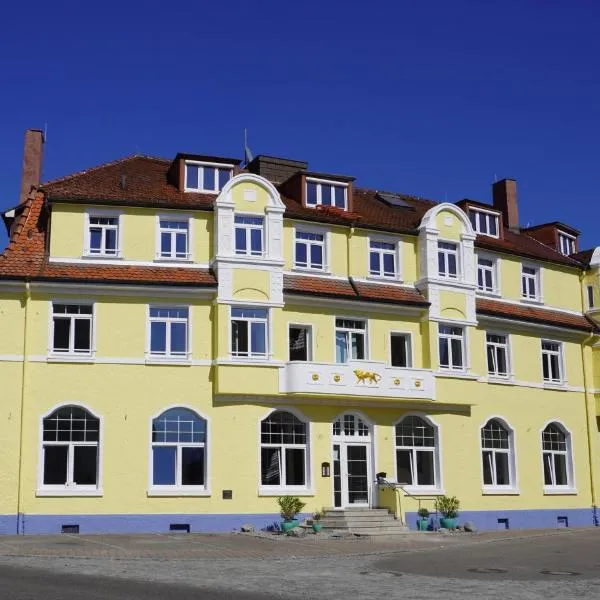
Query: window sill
x: 255, y: 362
x: 282, y: 491
x: 308, y: 270
x: 559, y: 387
x: 198, y: 191
x: 173, y: 259
x: 556, y: 491
x: 115, y: 257
x: 497, y: 380
x: 534, y: 301
x: 173, y: 362
x: 501, y: 491
x: 456, y: 375
x: 199, y: 493
x: 69, y: 492
x: 488, y: 294
x: 384, y: 279
x: 416, y: 490
x: 76, y: 358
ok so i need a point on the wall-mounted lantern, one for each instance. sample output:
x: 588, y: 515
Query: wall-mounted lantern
x: 325, y: 469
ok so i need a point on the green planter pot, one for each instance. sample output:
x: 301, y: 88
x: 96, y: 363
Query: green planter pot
x: 423, y: 524
x: 317, y: 526
x: 289, y: 525
x: 448, y: 523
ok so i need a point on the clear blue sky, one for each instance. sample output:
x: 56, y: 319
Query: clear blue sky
x: 432, y: 98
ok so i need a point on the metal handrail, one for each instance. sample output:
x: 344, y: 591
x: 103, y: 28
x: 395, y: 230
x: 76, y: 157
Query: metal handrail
x: 383, y: 482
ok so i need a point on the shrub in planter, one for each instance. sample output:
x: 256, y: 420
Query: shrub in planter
x: 317, y: 525
x: 448, y: 507
x: 423, y: 522
x: 289, y: 507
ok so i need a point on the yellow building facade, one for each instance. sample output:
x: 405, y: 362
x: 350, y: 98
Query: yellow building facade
x: 183, y: 341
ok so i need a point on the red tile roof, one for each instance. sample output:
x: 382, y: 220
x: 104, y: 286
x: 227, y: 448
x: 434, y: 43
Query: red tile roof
x: 533, y: 314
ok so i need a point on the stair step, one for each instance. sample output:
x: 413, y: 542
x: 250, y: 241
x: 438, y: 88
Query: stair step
x: 357, y: 512
x: 349, y: 523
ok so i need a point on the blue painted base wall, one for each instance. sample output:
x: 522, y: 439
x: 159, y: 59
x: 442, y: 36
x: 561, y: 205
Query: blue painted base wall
x: 8, y: 524
x: 519, y: 519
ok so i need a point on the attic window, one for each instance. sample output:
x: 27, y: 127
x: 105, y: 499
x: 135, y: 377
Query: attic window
x: 566, y: 243
x: 484, y: 222
x: 206, y: 177
x: 320, y: 192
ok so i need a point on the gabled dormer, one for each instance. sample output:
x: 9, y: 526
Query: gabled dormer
x: 563, y: 238
x: 200, y: 173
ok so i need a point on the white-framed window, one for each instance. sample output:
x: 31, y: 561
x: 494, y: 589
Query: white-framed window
x: 383, y: 256
x: 320, y: 192
x: 552, y: 361
x: 590, y: 296
x: 417, y: 453
x: 497, y: 455
x: 72, y: 329
x: 350, y: 339
x: 70, y: 450
x: 557, y: 457
x: 103, y: 235
x: 400, y: 350
x: 249, y: 332
x: 530, y: 282
x: 283, y: 452
x: 350, y: 425
x: 206, y: 177
x: 452, y: 347
x: 300, y: 343
x: 309, y: 250
x: 173, y: 238
x: 487, y: 279
x: 566, y: 243
x: 169, y: 332
x: 483, y: 222
x: 448, y: 260
x: 178, y: 451
x: 497, y: 354
x: 249, y: 235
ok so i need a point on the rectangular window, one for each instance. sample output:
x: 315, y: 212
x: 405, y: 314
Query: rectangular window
x: 484, y: 223
x: 248, y: 235
x: 174, y: 238
x: 300, y: 343
x: 486, y: 274
x: 400, y: 350
x: 350, y: 340
x: 552, y: 357
x: 249, y: 332
x: 530, y: 282
x: 206, y: 177
x: 566, y: 244
x: 415, y: 467
x: 497, y: 354
x: 310, y: 250
x: 382, y: 259
x: 448, y: 260
x: 590, y: 296
x: 451, y: 347
x: 72, y: 328
x: 324, y: 193
x: 169, y: 332
x: 103, y: 236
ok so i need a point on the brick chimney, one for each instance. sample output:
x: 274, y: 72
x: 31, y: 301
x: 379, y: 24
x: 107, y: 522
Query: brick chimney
x: 504, y: 194
x: 32, y: 162
x: 276, y: 170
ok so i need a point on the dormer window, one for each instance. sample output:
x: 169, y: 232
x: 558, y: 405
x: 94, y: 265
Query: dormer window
x: 566, y: 243
x: 320, y: 192
x: 206, y: 177
x: 483, y: 222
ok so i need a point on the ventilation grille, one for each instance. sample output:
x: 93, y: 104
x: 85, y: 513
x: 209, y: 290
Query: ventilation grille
x: 69, y: 529
x: 185, y: 527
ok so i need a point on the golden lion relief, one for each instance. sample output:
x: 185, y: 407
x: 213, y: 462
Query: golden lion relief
x: 370, y: 376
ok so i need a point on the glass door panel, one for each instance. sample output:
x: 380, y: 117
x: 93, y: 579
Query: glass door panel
x: 358, y: 474
x: 337, y: 477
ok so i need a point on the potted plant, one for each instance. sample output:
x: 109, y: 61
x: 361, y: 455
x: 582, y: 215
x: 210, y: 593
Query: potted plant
x: 289, y: 507
x: 423, y: 521
x: 448, y: 507
x: 317, y: 525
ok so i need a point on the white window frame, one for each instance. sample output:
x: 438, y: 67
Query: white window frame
x: 326, y: 245
x: 248, y: 227
x: 310, y: 341
x: 395, y: 252
x: 590, y: 296
x: 512, y: 462
x: 570, y: 487
x: 350, y: 332
x: 103, y: 214
x: 566, y: 243
x: 159, y: 230
x: 70, y: 488
x: 484, y: 216
x: 496, y: 345
x: 438, y: 487
x: 71, y: 354
x: 407, y: 335
x: 276, y: 490
x: 463, y: 337
x: 546, y: 354
x: 154, y: 357
x: 201, y: 164
x: 178, y: 489
x: 446, y: 252
x: 251, y: 356
x: 493, y: 269
x: 319, y: 183
x: 537, y: 282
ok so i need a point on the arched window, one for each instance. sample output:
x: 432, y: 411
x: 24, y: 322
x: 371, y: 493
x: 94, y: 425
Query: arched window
x: 497, y: 455
x: 70, y: 443
x: 179, y: 450
x: 351, y: 426
x: 416, y: 453
x: 283, y: 443
x: 556, y: 452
